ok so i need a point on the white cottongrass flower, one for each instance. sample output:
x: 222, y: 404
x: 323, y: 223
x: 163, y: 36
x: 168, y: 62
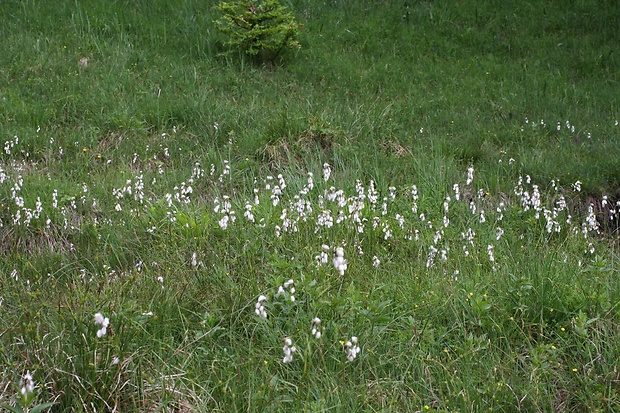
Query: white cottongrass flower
x: 432, y: 252
x: 339, y: 262
x: 375, y: 261
x: 401, y: 220
x: 291, y: 289
x: 351, y: 349
x: 248, y: 213
x: 327, y: 171
x: 223, y: 223
x: 324, y: 219
x: 437, y: 237
x: 316, y: 332
x: 457, y: 194
x: 310, y: 184
x: 500, y: 232
x: 290, y: 286
x: 322, y: 258
x: 288, y: 350
x: 259, y: 307
x: 392, y: 190
x: 590, y: 224
x: 470, y: 175
x: 490, y: 251
x: 224, y: 207
x: 27, y: 384
x: 102, y: 321
x: 387, y: 232
x: 276, y: 193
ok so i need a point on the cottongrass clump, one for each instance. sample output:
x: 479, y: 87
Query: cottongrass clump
x: 376, y: 262
x: 316, y: 329
x: 323, y: 257
x: 340, y: 263
x: 288, y: 350
x: 102, y: 321
x: 351, y: 348
x: 259, y: 307
x: 287, y: 289
x: 27, y: 385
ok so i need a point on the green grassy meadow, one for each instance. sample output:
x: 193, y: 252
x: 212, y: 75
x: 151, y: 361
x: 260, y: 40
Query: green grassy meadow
x: 415, y: 211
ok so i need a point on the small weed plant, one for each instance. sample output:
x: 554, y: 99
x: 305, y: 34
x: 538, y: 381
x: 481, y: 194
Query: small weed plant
x: 26, y: 397
x: 262, y: 29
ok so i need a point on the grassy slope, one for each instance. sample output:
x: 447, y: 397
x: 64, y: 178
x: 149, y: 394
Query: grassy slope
x: 400, y: 92
x: 468, y: 74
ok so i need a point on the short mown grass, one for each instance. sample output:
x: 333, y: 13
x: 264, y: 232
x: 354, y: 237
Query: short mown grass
x: 463, y: 156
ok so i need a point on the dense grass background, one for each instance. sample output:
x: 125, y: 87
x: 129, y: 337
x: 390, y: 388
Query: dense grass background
x: 375, y: 72
x: 398, y: 92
